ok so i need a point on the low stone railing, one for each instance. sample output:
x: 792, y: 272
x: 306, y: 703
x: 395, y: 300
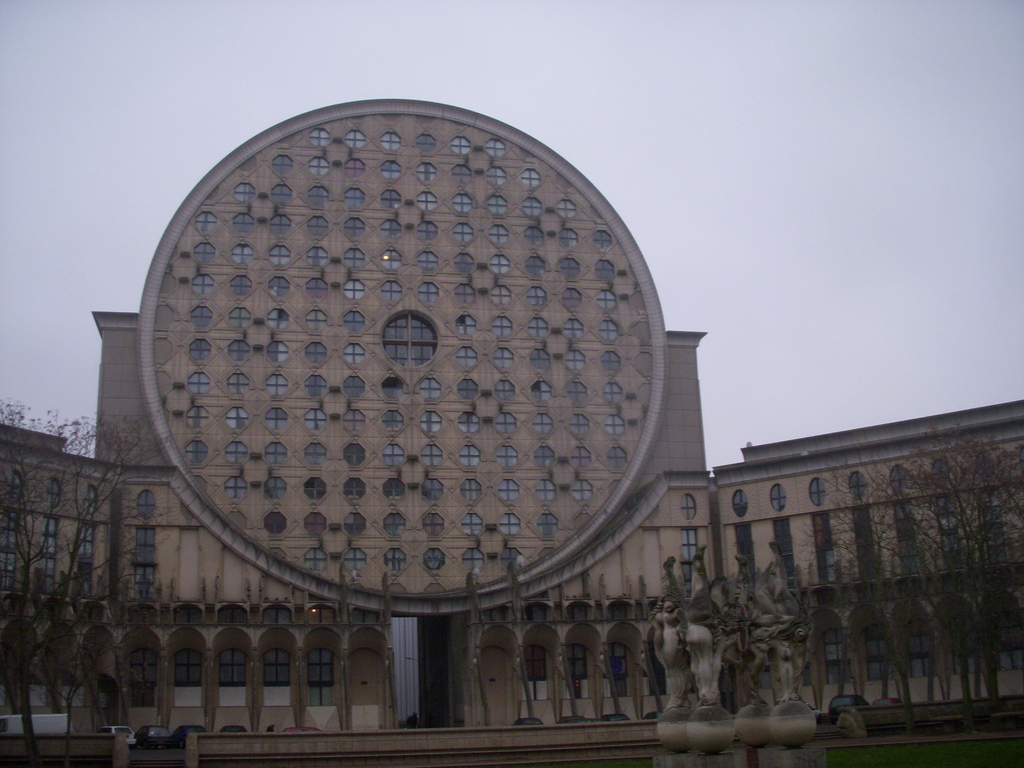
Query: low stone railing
x: 86, y: 750
x: 421, y: 748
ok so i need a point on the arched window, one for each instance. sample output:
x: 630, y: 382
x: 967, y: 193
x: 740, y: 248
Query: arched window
x: 320, y: 677
x: 874, y: 652
x: 536, y: 660
x: 145, y: 504
x: 188, y: 668
x: 919, y: 648
x: 576, y: 656
x: 578, y: 612
x: 90, y: 500
x: 858, y: 486
x: 320, y: 614
x: 15, y: 487
x: 618, y: 611
x: 832, y: 639
x: 816, y: 490
x: 53, y: 492
x: 188, y: 614
x: 659, y: 683
x: 617, y: 664
x: 232, y: 614
x: 1011, y: 640
x: 536, y: 612
x: 277, y: 614
x: 142, y: 666
x: 232, y: 668
x: 277, y: 668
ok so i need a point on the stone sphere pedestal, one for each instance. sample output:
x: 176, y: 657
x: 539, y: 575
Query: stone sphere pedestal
x: 711, y: 729
x: 752, y: 725
x: 792, y: 724
x: 672, y: 729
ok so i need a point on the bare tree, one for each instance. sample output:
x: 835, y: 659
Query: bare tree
x: 867, y: 542
x: 943, y: 529
x: 61, y: 551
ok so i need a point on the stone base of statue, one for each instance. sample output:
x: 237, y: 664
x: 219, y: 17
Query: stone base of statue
x: 693, y: 760
x: 781, y: 757
x: 791, y: 724
x: 672, y: 729
x: 752, y: 725
x: 710, y: 729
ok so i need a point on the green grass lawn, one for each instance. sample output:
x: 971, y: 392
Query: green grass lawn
x: 976, y: 754
x: 972, y: 754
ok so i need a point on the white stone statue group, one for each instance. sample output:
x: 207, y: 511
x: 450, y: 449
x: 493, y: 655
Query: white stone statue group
x: 747, y: 625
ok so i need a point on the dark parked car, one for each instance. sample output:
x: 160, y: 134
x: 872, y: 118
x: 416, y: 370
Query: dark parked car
x: 528, y: 721
x: 838, y: 702
x: 652, y: 715
x: 888, y: 701
x: 569, y: 719
x: 153, y: 737
x: 614, y: 717
x: 233, y: 729
x: 300, y: 729
x: 178, y: 737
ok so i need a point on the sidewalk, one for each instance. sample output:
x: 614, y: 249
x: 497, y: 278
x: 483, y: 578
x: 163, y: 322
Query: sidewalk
x: 830, y: 737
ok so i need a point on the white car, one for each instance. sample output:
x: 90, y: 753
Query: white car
x: 114, y: 729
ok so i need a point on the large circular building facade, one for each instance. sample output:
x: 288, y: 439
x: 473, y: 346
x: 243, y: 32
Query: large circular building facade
x: 400, y: 338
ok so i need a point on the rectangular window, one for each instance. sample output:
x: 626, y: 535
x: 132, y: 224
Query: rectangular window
x: 874, y: 651
x: 48, y: 552
x: 8, y: 549
x: 660, y: 681
x: 688, y: 551
x: 617, y: 666
x: 906, y: 545
x: 833, y: 639
x: 277, y: 668
x: 994, y: 530
x: 745, y: 547
x: 865, y: 543
x: 919, y: 645
x: 85, y: 558
x: 535, y: 659
x: 145, y: 578
x: 320, y: 677
x: 949, y: 530
x: 1011, y: 641
x: 145, y: 545
x: 826, y: 556
x: 576, y: 657
x: 785, y: 541
x: 142, y: 678
x: 188, y: 668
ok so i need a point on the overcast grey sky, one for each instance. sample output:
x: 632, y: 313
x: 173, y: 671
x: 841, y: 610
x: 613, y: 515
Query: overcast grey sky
x: 833, y: 191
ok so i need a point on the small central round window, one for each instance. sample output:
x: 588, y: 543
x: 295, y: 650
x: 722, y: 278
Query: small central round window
x: 410, y: 340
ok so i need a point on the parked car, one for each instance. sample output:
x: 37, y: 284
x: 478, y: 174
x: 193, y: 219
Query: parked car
x: 569, y: 719
x: 178, y: 737
x: 652, y: 715
x: 300, y: 729
x: 153, y: 737
x: 233, y: 729
x: 528, y: 721
x: 886, y: 701
x: 838, y: 702
x: 115, y: 729
x: 613, y: 717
